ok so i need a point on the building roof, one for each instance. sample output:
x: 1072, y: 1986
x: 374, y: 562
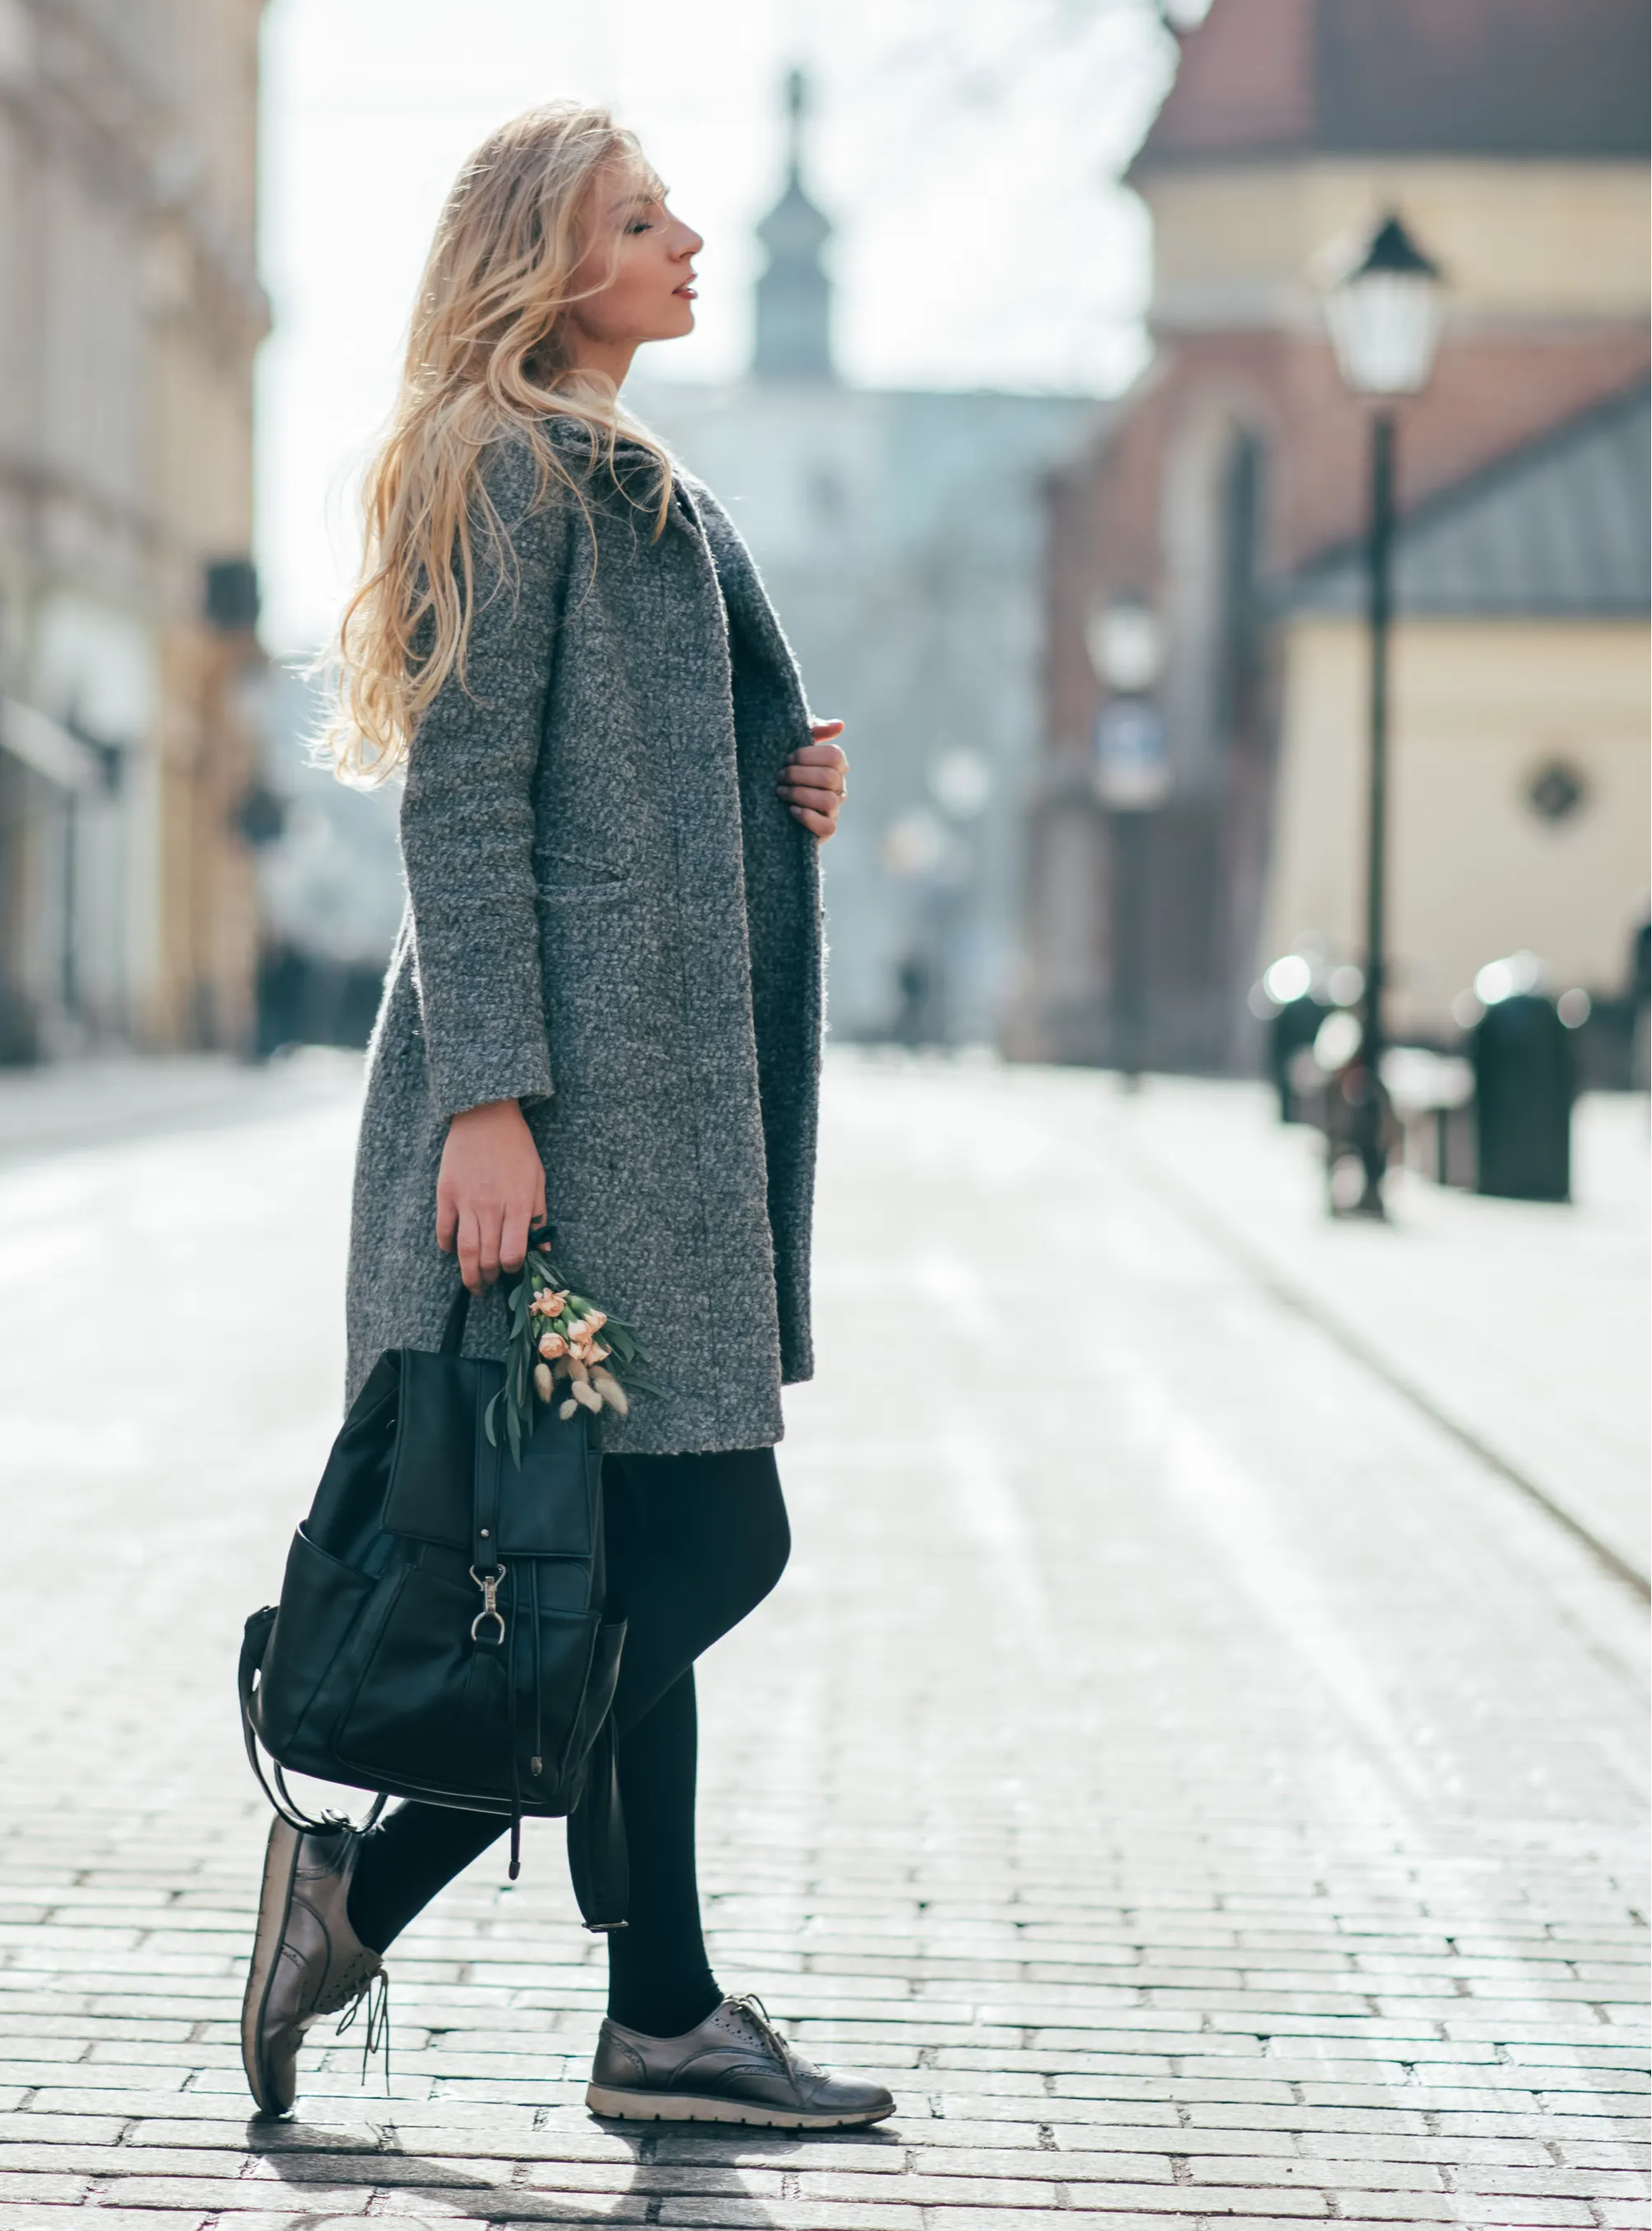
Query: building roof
x: 1559, y: 529
x: 1491, y: 78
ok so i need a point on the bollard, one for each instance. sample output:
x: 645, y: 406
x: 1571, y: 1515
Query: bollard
x: 1291, y: 1034
x: 1523, y: 1094
x: 1289, y: 999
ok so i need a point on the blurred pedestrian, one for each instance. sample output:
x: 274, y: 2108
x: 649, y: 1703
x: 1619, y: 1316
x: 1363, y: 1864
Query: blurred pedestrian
x: 604, y: 1000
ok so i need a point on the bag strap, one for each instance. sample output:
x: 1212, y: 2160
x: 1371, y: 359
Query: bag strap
x: 598, y: 1859
x: 254, y: 1641
x: 453, y: 1331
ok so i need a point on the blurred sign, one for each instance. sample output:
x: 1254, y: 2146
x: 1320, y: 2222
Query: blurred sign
x: 1132, y: 768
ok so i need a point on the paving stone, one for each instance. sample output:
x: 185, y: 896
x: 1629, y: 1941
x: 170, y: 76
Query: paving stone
x: 30, y: 2217
x: 788, y: 2215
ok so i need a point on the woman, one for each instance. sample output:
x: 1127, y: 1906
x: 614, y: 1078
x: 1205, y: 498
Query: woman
x: 606, y: 1003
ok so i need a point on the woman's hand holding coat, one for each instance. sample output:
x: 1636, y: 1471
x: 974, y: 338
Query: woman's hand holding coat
x: 816, y: 779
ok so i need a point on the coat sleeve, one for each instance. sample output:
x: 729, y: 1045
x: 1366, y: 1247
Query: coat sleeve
x: 467, y: 818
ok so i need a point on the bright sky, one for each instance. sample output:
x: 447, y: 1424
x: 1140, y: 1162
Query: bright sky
x: 967, y: 150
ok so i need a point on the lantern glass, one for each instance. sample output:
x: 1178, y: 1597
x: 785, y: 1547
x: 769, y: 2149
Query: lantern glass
x: 1126, y: 645
x: 1385, y: 329
x: 1385, y: 313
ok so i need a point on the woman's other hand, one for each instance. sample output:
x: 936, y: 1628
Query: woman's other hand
x: 816, y: 779
x: 490, y: 1191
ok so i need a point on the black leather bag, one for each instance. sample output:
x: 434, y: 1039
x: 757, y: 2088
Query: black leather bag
x: 443, y: 1631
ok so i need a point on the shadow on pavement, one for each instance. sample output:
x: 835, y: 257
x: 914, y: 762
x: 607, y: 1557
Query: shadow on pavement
x: 306, y: 2156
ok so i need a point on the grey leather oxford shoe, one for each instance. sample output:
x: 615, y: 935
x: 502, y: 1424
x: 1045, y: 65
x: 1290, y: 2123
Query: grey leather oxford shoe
x: 307, y: 1960
x: 733, y: 2067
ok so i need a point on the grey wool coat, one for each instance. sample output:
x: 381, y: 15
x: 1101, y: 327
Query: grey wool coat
x: 614, y: 919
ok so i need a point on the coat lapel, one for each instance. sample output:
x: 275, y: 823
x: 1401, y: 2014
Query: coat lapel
x: 752, y: 620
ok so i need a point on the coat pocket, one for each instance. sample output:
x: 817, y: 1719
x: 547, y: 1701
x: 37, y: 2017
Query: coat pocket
x: 559, y: 874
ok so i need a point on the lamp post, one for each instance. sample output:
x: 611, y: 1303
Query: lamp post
x: 1384, y: 313
x: 1126, y: 647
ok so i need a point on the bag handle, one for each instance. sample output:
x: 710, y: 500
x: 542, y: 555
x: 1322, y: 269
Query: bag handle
x: 540, y: 1235
x: 453, y: 1329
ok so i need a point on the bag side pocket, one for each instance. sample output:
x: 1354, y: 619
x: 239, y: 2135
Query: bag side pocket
x: 321, y: 1600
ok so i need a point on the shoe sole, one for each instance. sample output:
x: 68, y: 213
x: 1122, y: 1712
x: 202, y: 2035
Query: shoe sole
x: 686, y: 2107
x: 275, y: 1904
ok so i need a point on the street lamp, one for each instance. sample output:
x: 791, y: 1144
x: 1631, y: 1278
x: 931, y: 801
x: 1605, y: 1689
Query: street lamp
x: 1385, y: 314
x: 1126, y: 645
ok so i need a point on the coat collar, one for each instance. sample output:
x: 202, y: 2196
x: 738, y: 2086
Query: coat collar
x: 697, y: 511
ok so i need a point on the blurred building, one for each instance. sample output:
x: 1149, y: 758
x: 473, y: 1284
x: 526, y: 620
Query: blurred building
x: 1226, y: 497
x: 901, y: 535
x: 330, y: 886
x: 129, y: 669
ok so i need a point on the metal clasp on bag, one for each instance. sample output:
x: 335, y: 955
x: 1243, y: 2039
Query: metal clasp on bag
x: 489, y: 1584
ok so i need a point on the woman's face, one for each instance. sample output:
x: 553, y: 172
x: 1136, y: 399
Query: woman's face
x: 645, y: 255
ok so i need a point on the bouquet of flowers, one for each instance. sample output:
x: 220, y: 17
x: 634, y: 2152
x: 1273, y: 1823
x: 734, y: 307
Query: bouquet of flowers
x: 560, y: 1338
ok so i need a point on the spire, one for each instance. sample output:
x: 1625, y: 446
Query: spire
x: 797, y: 98
x: 794, y: 295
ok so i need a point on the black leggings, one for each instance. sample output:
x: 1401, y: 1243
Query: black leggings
x: 694, y: 1542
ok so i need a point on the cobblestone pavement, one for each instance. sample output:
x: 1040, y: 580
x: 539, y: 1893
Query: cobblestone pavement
x: 1201, y: 1786
x: 1523, y: 1323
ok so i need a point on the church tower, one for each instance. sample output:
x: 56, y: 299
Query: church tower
x: 794, y: 295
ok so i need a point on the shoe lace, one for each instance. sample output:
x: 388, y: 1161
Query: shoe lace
x: 375, y: 1995
x: 753, y: 2008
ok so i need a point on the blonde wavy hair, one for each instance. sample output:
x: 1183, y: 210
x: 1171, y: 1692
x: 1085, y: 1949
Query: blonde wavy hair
x: 488, y: 357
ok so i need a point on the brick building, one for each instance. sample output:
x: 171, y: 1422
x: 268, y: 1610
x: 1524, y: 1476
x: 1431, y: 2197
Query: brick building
x: 1227, y: 490
x: 130, y: 311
